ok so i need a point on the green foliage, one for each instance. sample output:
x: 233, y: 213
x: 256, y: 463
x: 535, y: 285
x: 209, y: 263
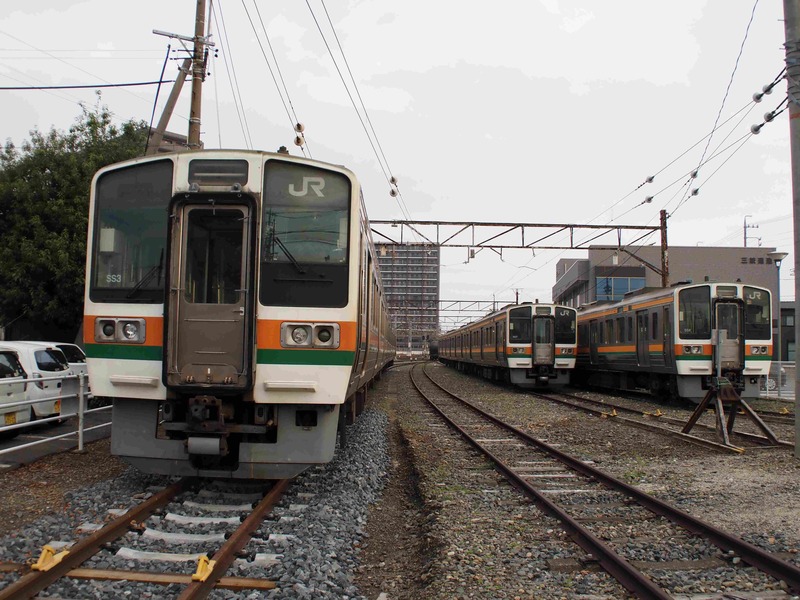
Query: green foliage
x: 44, y: 205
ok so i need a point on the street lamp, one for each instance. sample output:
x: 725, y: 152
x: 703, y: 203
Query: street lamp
x: 777, y: 258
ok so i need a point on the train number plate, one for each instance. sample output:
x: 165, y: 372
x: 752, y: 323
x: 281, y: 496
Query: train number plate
x: 11, y: 418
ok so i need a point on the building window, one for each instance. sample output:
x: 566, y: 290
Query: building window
x: 787, y: 320
x: 614, y: 288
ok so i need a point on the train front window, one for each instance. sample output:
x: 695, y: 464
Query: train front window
x: 519, y: 325
x: 304, y: 240
x: 757, y: 321
x: 565, y: 326
x: 130, y: 233
x: 694, y: 307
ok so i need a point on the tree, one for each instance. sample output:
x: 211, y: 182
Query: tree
x: 44, y: 207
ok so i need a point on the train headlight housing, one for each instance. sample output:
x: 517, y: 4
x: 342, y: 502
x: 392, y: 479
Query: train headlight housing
x: 310, y: 335
x: 692, y: 349
x: 110, y: 330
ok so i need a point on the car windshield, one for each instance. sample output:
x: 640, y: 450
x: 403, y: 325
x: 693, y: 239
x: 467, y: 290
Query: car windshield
x: 73, y: 353
x: 50, y: 359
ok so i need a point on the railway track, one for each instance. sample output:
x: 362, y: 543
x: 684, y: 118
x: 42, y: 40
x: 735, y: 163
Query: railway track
x: 658, y: 422
x: 234, y: 525
x: 603, y: 515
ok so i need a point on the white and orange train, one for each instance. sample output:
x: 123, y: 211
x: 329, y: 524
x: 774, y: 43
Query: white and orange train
x: 672, y: 341
x: 529, y: 345
x: 233, y: 310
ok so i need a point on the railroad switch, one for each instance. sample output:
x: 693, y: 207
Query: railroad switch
x: 49, y: 558
x: 204, y: 568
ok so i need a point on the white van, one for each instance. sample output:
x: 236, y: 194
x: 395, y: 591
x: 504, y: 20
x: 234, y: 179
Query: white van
x: 41, y: 361
x: 12, y: 389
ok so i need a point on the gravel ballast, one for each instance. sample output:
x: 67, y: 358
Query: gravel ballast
x: 408, y: 510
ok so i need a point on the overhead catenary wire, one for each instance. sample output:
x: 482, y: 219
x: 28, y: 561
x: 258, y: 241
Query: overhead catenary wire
x: 232, y: 78
x: 371, y: 137
x: 285, y: 101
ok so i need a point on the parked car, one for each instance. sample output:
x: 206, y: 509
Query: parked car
x: 40, y: 361
x: 12, y: 389
x: 770, y: 382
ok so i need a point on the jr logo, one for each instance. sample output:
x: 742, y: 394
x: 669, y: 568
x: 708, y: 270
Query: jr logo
x: 315, y: 183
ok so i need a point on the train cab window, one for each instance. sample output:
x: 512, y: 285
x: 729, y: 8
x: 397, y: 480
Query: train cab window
x: 757, y: 321
x: 694, y: 307
x: 304, y: 243
x: 519, y: 325
x: 130, y: 233
x: 213, y: 259
x: 565, y: 326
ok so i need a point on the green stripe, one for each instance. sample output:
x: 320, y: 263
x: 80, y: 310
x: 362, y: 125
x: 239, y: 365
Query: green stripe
x: 124, y: 351
x: 693, y: 357
x: 306, y: 357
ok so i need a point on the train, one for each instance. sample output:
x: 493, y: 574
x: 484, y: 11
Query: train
x: 528, y: 345
x: 671, y: 342
x: 234, y: 310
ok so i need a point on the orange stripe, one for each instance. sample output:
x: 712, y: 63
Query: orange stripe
x: 153, y: 329
x: 268, y: 334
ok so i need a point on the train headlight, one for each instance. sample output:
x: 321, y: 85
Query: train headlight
x: 130, y: 331
x: 300, y: 335
x: 324, y: 335
x: 108, y: 329
x: 692, y: 349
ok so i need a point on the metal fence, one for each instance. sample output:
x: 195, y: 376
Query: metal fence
x: 74, y: 396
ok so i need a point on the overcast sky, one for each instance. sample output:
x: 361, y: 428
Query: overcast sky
x: 509, y: 111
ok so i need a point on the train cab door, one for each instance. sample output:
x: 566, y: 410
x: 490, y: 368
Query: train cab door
x: 729, y: 343
x: 594, y: 341
x: 669, y: 347
x: 209, y: 320
x: 543, y: 351
x: 642, y: 339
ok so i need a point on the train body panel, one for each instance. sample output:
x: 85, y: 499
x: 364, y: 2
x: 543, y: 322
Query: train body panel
x: 672, y: 341
x: 526, y: 344
x: 233, y: 309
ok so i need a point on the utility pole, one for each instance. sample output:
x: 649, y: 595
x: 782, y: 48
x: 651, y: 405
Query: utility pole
x: 746, y: 227
x: 791, y: 14
x: 198, y: 74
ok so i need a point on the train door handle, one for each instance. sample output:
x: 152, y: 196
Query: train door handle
x: 239, y: 310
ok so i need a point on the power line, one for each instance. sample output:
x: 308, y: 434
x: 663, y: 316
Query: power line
x: 86, y: 86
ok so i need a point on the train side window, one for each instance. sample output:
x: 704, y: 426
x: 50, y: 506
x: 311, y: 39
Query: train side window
x: 630, y: 329
x: 621, y: 329
x: 608, y: 337
x: 654, y: 331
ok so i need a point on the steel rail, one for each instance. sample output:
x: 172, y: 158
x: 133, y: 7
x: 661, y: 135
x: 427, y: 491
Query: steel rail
x: 225, y: 556
x: 756, y: 439
x: 30, y: 584
x: 692, y: 439
x: 624, y: 572
x: 752, y: 555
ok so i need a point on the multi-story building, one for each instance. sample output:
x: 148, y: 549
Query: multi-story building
x: 609, y: 274
x: 410, y: 274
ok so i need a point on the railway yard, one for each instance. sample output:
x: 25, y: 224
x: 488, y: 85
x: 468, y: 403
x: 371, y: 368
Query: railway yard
x: 410, y: 510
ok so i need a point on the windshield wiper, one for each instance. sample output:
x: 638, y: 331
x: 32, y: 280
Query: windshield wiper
x: 148, y: 277
x: 289, y: 255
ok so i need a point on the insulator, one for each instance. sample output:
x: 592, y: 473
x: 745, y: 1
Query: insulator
x: 694, y: 174
x: 650, y: 179
x: 393, y: 192
x: 757, y: 97
x: 299, y: 141
x: 769, y: 116
x: 648, y: 200
x: 695, y: 191
x: 299, y: 128
x: 767, y: 89
x: 755, y: 129
x: 393, y: 180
